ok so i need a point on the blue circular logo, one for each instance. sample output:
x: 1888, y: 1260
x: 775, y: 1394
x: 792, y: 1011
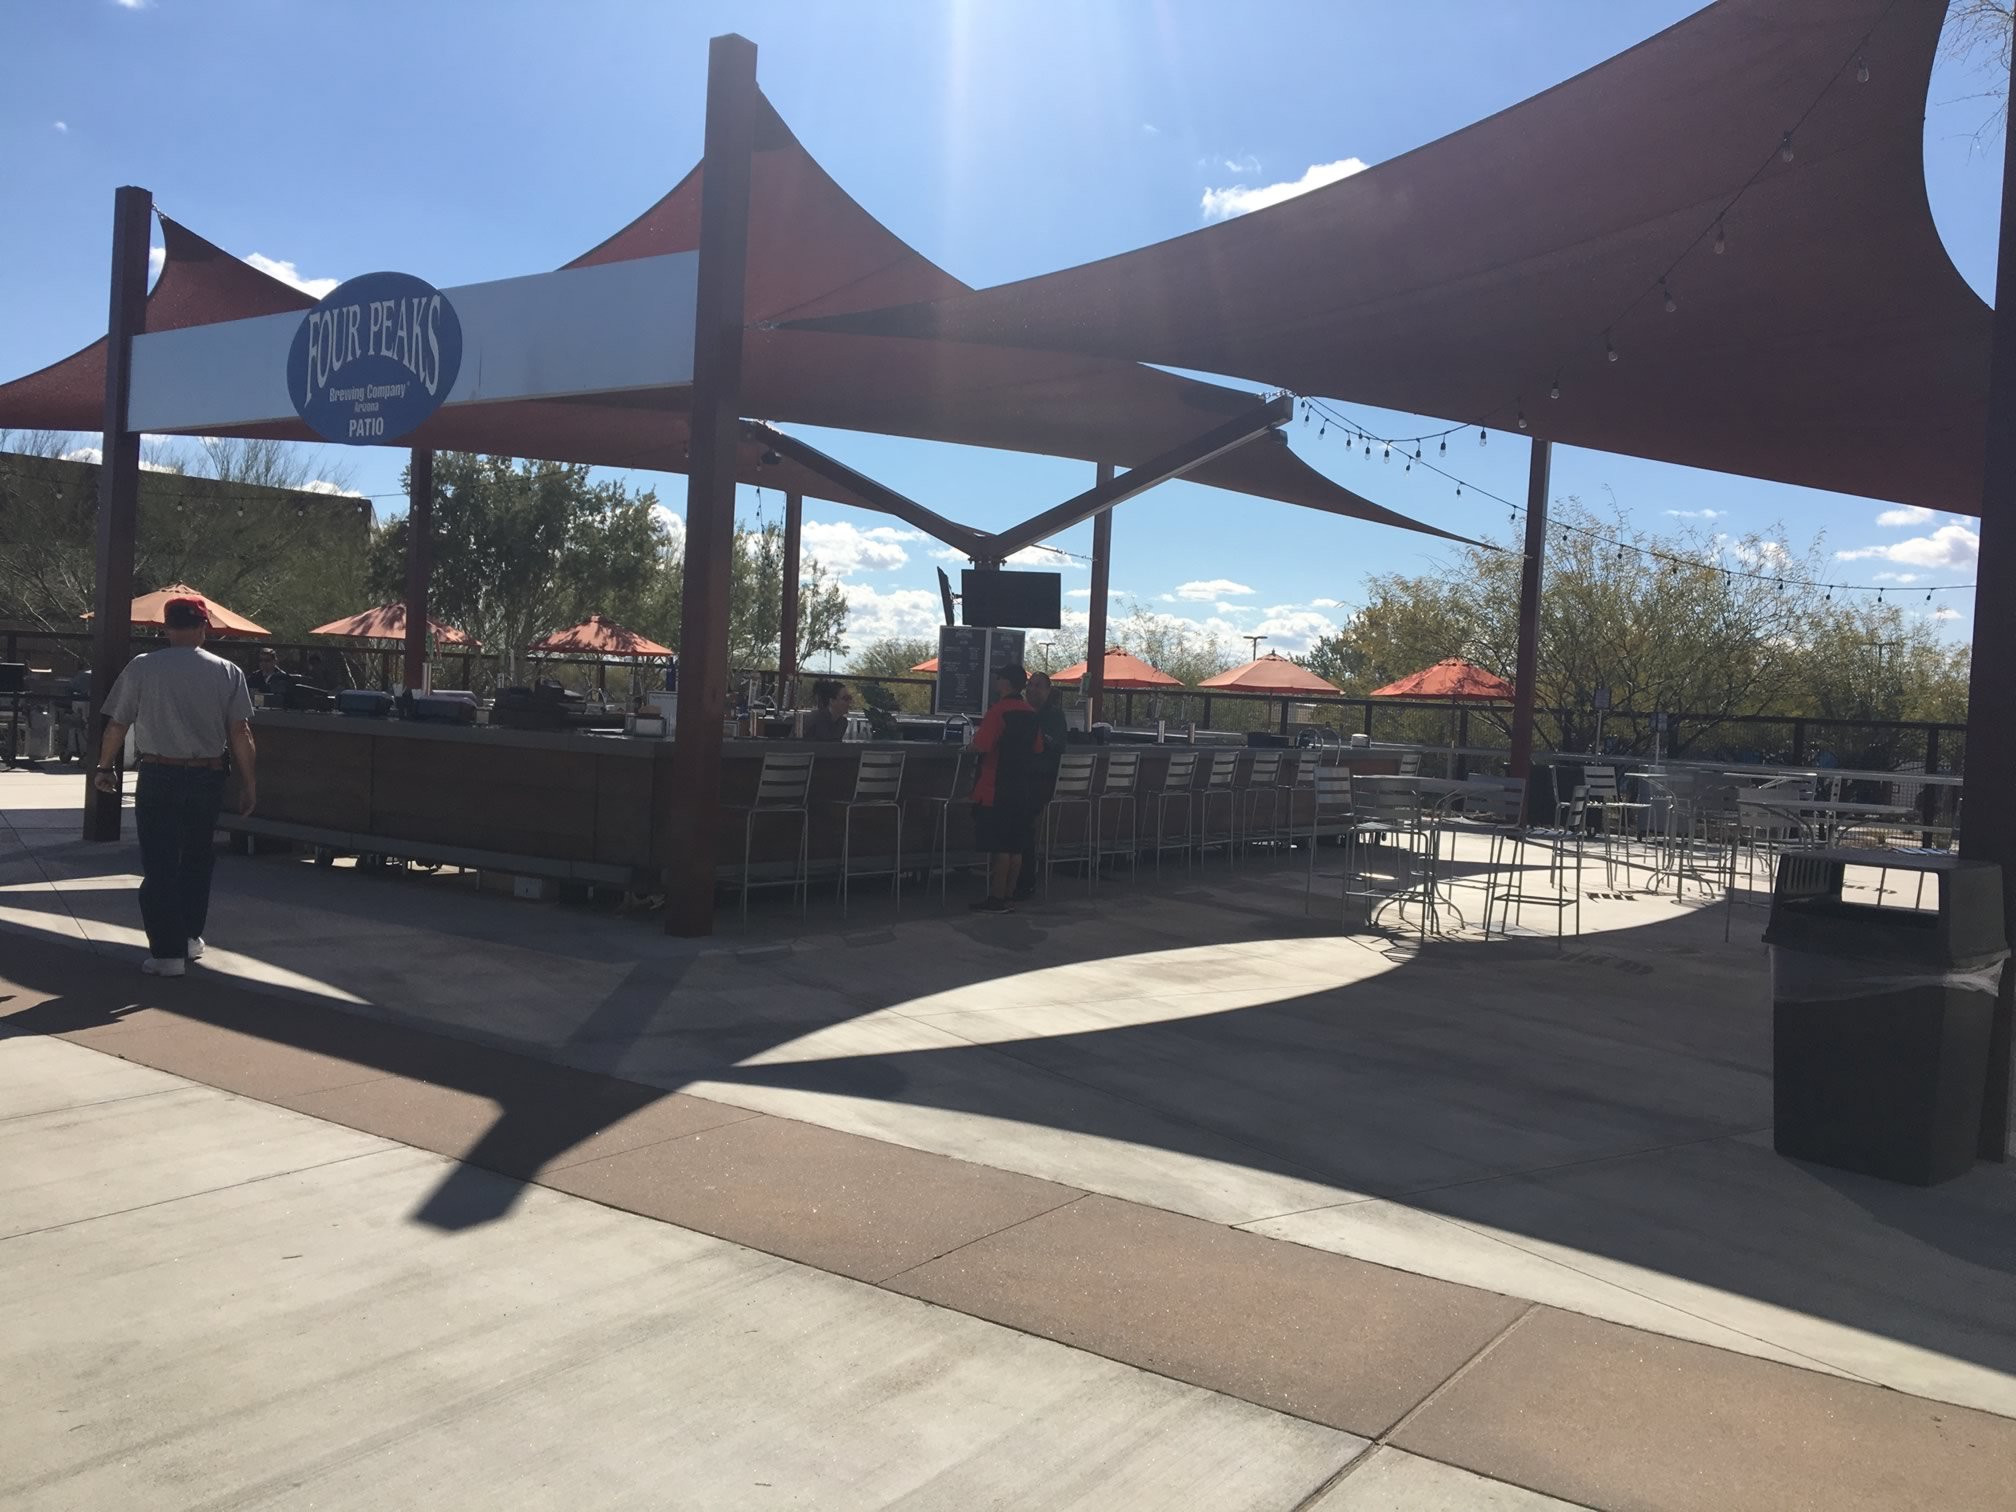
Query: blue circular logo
x: 374, y: 359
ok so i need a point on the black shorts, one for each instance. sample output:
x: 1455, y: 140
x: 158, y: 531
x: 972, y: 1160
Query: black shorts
x: 1004, y: 829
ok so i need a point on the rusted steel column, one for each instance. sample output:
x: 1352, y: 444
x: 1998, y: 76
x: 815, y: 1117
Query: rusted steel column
x: 419, y: 562
x: 1526, y: 672
x: 787, y: 628
x: 710, y: 483
x: 1095, y: 628
x: 118, y: 487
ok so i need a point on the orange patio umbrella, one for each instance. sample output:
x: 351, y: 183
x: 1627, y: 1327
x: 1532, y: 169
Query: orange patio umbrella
x: 601, y: 637
x: 149, y: 607
x: 1122, y: 672
x: 1272, y: 673
x: 1452, y: 678
x: 388, y: 623
x: 930, y: 665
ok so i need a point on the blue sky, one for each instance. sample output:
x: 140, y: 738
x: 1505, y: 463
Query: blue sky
x: 1006, y: 138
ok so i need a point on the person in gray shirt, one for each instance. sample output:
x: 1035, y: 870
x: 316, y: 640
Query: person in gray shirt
x: 185, y: 708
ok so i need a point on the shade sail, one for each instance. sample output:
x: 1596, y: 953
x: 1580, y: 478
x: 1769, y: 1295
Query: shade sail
x: 1122, y: 671
x: 1832, y: 345
x: 388, y: 623
x: 601, y: 637
x: 149, y: 609
x: 812, y: 250
x: 1272, y: 673
x: 1452, y: 678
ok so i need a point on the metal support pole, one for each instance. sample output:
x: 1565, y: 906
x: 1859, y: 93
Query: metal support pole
x: 1990, y: 801
x: 118, y: 487
x: 1526, y: 671
x: 710, y: 483
x: 419, y: 562
x: 787, y: 629
x: 1095, y: 627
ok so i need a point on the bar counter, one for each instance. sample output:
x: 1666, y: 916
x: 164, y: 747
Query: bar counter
x: 598, y: 807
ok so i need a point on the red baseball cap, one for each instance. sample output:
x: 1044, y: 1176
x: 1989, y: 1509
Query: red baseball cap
x: 185, y: 613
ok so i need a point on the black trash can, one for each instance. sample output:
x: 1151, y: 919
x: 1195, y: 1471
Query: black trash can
x: 1881, y: 1014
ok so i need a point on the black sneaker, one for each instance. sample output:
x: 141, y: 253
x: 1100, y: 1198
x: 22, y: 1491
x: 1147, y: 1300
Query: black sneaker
x: 990, y: 905
x: 1022, y: 895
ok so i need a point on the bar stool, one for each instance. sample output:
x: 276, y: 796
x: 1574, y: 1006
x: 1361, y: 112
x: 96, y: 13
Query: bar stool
x: 1178, y: 782
x: 1073, y: 791
x: 878, y: 784
x: 1220, y: 784
x: 1263, y: 777
x: 1117, y: 787
x: 942, y: 827
x: 781, y: 788
x: 1330, y: 790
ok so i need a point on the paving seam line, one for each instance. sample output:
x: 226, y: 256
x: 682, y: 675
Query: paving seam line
x: 96, y: 1102
x: 885, y: 1281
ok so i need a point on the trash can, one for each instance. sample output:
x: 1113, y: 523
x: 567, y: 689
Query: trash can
x: 1881, y: 1012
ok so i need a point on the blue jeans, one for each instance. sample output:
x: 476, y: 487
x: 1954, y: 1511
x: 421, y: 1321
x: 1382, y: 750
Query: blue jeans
x: 175, y: 812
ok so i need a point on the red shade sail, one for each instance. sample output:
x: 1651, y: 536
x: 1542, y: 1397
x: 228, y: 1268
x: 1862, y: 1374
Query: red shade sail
x: 601, y: 637
x: 1122, y: 671
x: 1474, y: 277
x: 1272, y: 673
x: 388, y: 623
x: 149, y: 607
x: 1452, y: 678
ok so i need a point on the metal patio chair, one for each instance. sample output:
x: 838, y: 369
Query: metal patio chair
x: 1072, y: 792
x: 1332, y: 812
x: 1262, y: 790
x: 782, y: 786
x: 1220, y: 788
x: 959, y: 790
x: 878, y: 784
x: 1117, y: 789
x: 1178, y: 789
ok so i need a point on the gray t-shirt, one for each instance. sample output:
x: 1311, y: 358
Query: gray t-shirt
x: 180, y: 702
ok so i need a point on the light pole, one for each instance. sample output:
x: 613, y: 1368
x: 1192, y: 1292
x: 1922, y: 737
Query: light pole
x: 1254, y: 642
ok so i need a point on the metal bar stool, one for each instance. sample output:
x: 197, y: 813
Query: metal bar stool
x: 1263, y: 779
x: 1220, y: 785
x: 1333, y: 809
x: 958, y: 790
x: 878, y: 784
x: 781, y: 788
x: 1073, y: 791
x: 1117, y: 787
x: 1178, y: 782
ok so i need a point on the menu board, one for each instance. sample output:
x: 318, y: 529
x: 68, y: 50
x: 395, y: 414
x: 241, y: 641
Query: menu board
x: 967, y: 656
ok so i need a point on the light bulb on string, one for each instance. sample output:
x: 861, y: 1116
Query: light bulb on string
x: 1609, y: 351
x: 1483, y: 436
x: 1554, y: 389
x: 1928, y: 595
x: 1671, y: 304
x: 1444, y: 447
x: 1322, y: 430
x: 1417, y: 453
x: 1785, y: 153
x: 1385, y: 454
x: 1522, y: 419
x: 1721, y: 238
x: 1368, y: 448
x: 1861, y: 70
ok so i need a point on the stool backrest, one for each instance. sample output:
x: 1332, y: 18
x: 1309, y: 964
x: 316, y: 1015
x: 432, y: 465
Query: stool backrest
x: 1224, y: 769
x: 1599, y: 783
x: 879, y: 777
x: 1182, y: 771
x: 1410, y: 763
x: 1333, y: 789
x: 1074, y: 775
x: 1265, y: 770
x: 784, y: 780
x: 1500, y: 800
x: 1122, y: 770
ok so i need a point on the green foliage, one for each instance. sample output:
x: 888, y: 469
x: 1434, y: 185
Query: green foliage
x: 889, y: 659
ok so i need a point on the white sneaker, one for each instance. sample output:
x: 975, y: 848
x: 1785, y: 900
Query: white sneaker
x: 196, y: 948
x: 163, y: 966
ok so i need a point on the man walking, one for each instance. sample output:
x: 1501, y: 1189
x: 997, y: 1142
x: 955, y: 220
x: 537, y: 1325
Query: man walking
x: 185, y: 708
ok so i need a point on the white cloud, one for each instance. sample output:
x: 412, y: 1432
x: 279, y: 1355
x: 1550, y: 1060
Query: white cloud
x: 1147, y: 129
x: 1945, y: 612
x: 1697, y: 514
x: 1326, y: 603
x: 94, y: 456
x: 1246, y: 163
x: 1047, y: 557
x: 1085, y: 593
x: 1894, y: 577
x: 899, y: 613
x: 1904, y: 514
x: 61, y: 126
x: 324, y: 486
x: 1763, y: 554
x: 1238, y: 199
x: 287, y: 273
x: 844, y: 549
x: 1949, y: 548
x: 1294, y: 633
x: 1205, y: 590
x: 675, y: 527
x: 132, y: 4
x: 156, y: 256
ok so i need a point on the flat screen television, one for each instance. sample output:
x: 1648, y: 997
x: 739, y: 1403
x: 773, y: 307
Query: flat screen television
x: 1021, y: 600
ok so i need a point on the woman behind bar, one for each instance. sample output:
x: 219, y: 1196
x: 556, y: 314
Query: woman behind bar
x: 834, y: 700
x: 1005, y: 791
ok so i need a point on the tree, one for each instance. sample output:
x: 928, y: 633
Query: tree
x: 756, y: 601
x: 523, y: 549
x: 894, y: 658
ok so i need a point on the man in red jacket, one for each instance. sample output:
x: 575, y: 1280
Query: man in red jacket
x: 1005, y: 791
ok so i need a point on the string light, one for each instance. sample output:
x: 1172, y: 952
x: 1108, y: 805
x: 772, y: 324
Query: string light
x: 1671, y: 306
x: 1609, y: 351
x: 1483, y: 435
x: 1554, y: 389
x: 1721, y: 238
x: 1785, y: 153
x: 1522, y: 419
x: 1861, y: 70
